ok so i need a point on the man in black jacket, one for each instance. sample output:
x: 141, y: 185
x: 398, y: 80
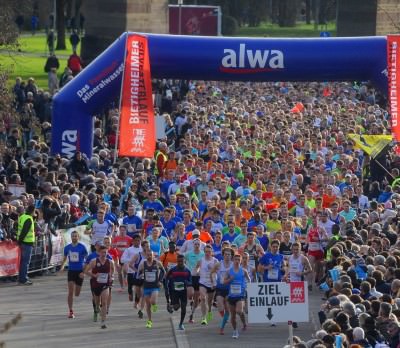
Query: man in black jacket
x: 394, y: 333
x: 51, y: 210
x: 78, y: 166
x: 52, y: 62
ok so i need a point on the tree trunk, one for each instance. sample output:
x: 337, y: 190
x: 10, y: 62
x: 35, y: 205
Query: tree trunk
x: 60, y: 19
x: 308, y: 11
x: 316, y: 8
x: 275, y: 11
x: 287, y: 13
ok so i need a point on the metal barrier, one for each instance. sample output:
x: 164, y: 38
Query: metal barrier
x: 40, y: 260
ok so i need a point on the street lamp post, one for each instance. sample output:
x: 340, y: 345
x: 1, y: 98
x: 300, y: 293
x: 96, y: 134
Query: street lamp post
x: 180, y: 3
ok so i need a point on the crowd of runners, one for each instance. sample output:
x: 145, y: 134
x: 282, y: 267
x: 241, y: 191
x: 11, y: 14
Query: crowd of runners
x: 253, y: 182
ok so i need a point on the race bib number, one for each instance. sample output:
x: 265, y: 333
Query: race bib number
x: 171, y: 265
x: 273, y: 274
x: 73, y: 256
x: 150, y: 276
x: 102, y: 278
x: 295, y: 268
x: 252, y: 263
x: 236, y: 289
x: 314, y: 246
x: 179, y: 286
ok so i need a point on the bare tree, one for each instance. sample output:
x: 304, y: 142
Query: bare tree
x: 9, y: 42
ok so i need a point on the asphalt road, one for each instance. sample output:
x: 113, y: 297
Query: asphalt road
x: 44, y: 322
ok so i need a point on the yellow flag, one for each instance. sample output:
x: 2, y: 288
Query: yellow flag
x: 373, y: 145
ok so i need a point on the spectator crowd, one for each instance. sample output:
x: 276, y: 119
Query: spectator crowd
x: 270, y: 158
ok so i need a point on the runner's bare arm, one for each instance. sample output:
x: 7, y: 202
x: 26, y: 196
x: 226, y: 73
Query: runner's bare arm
x: 307, y: 266
x: 246, y: 274
x: 89, y: 268
x: 162, y: 272
x: 131, y: 263
x: 112, y: 266
x: 64, y: 262
x: 215, y: 269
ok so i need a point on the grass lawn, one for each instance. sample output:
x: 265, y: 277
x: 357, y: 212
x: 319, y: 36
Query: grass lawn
x: 31, y: 58
x: 26, y: 67
x: 37, y: 44
x: 274, y: 30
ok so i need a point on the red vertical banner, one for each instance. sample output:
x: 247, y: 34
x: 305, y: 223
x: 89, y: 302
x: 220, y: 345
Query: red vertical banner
x: 137, y: 130
x: 9, y: 259
x: 393, y: 53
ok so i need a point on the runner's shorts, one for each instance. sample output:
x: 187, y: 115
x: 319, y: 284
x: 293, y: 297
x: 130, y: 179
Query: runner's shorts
x: 233, y: 300
x: 221, y: 292
x: 98, y: 290
x: 195, y: 282
x: 73, y: 276
x: 178, y: 297
x: 209, y: 290
x: 149, y: 291
x: 318, y: 254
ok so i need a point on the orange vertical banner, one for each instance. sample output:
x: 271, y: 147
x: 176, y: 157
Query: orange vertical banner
x: 393, y: 53
x: 137, y: 130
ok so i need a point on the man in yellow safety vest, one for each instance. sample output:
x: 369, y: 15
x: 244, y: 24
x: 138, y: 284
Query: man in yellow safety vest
x: 26, y: 240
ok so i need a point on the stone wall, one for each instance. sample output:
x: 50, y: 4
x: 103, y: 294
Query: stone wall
x: 388, y: 17
x: 150, y: 16
x: 106, y: 20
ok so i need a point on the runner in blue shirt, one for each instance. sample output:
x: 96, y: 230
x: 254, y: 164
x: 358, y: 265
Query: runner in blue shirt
x: 236, y: 279
x: 75, y: 253
x: 271, y: 264
x: 217, y: 246
x: 134, y: 223
x: 153, y: 202
x: 168, y: 222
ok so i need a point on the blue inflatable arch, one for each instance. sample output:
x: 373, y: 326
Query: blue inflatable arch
x: 208, y: 58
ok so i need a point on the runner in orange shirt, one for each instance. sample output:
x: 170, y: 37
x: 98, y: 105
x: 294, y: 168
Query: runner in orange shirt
x: 169, y: 260
x: 121, y: 242
x: 204, y: 236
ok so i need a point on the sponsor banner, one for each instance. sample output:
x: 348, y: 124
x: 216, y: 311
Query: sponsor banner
x: 9, y: 259
x: 84, y: 96
x: 16, y: 190
x: 137, y: 124
x: 393, y: 54
x: 57, y: 243
x: 277, y: 302
x: 195, y: 20
x: 83, y: 237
